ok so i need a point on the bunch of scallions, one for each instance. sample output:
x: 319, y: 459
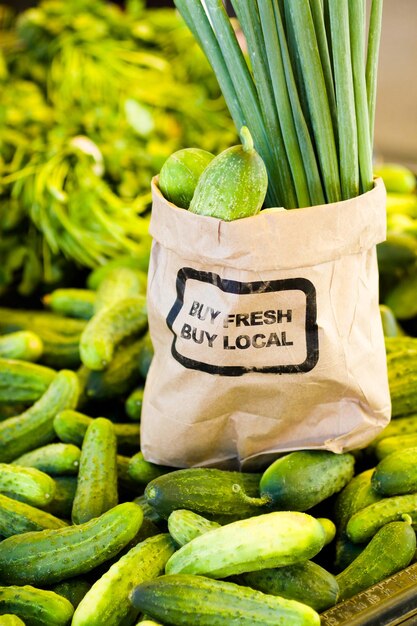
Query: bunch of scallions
x: 306, y: 92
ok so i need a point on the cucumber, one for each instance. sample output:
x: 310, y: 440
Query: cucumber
x: 137, y: 263
x: 146, y: 355
x: 70, y: 427
x: 61, y: 504
x: 31, y: 485
x: 21, y: 381
x: 180, y: 174
x: 365, y: 523
x: 73, y: 590
x: 78, y: 303
x: 96, y: 490
x: 18, y: 517
x: 133, y: 404
x: 217, y: 603
x: 357, y: 494
x: 390, y: 325
x: 36, y: 607
x: 345, y: 552
x: 390, y: 550
x: 300, y: 480
x: 34, y: 427
x: 400, y: 426
x: 22, y: 344
x: 148, y: 622
x: 32, y: 557
x: 10, y: 620
x: 149, y: 512
x: 211, y: 492
x: 184, y: 526
x: 108, y: 327
x: 329, y: 528
x: 233, y: 185
x: 142, y: 471
x: 120, y: 376
x: 270, y: 540
x: 402, y: 379
x: 306, y: 582
x: 119, y: 283
x: 394, y: 444
x: 401, y: 299
x: 107, y: 602
x: 396, y: 474
x: 60, y: 459
x: 397, y: 178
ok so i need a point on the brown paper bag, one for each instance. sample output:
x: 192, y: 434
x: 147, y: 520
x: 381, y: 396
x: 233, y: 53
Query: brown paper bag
x: 267, y: 333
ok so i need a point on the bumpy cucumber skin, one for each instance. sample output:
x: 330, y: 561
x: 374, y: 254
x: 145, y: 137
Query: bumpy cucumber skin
x: 402, y: 379
x: 400, y: 426
x: 22, y: 344
x: 107, y: 602
x: 389, y: 445
x: 73, y: 590
x: 108, y: 327
x: 307, y: 582
x: 21, y: 381
x: 17, y: 517
x: 217, y: 603
x: 180, y: 174
x: 149, y: 512
x: 10, y: 620
x: 120, y: 283
x: 120, y: 376
x: 363, y: 525
x: 232, y: 186
x: 390, y: 550
x: 133, y: 404
x: 270, y: 540
x: 142, y: 472
x: 97, y: 477
x: 55, y: 459
x: 396, y: 474
x: 61, y: 504
x: 29, y: 484
x: 184, y: 526
x: 207, y: 491
x: 300, y: 480
x: 34, y: 427
x: 36, y: 607
x: 32, y: 557
x: 357, y: 494
x: 70, y: 427
x: 78, y: 303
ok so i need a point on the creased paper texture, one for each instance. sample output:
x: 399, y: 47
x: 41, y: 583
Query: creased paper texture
x: 267, y: 333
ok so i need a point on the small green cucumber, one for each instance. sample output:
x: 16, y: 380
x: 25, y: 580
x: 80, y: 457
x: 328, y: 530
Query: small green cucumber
x: 363, y: 525
x: 142, y: 471
x: 217, y: 603
x: 78, y: 303
x: 18, y: 517
x: 149, y: 512
x: 133, y: 404
x: 402, y: 379
x: 96, y: 277
x: 180, y: 174
x: 123, y: 478
x: 184, y: 526
x: 11, y: 620
x: 233, y: 185
x: 329, y: 528
x: 300, y: 480
x: 397, y: 178
x: 211, y: 492
x: 120, y: 376
x: 396, y: 345
x: 119, y: 283
x: 357, y: 494
x: 107, y: 602
x: 148, y: 622
x: 73, y: 589
x: 21, y: 381
x: 390, y: 326
x: 108, y: 327
x: 15, y: 319
x: 36, y: 607
x: 390, y: 550
x: 61, y: 503
x: 32, y: 557
x: 34, y: 427
x: 31, y: 485
x: 396, y: 443
x: 345, y: 552
x: 396, y: 474
x: 22, y: 345
x: 97, y: 477
x: 70, y: 427
x: 307, y: 582
x: 55, y: 459
x: 400, y: 426
x: 282, y: 538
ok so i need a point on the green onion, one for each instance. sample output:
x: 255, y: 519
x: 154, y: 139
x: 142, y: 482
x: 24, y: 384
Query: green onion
x: 374, y: 37
x: 345, y: 98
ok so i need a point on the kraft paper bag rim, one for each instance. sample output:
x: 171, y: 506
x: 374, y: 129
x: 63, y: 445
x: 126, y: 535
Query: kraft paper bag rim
x: 273, y: 239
